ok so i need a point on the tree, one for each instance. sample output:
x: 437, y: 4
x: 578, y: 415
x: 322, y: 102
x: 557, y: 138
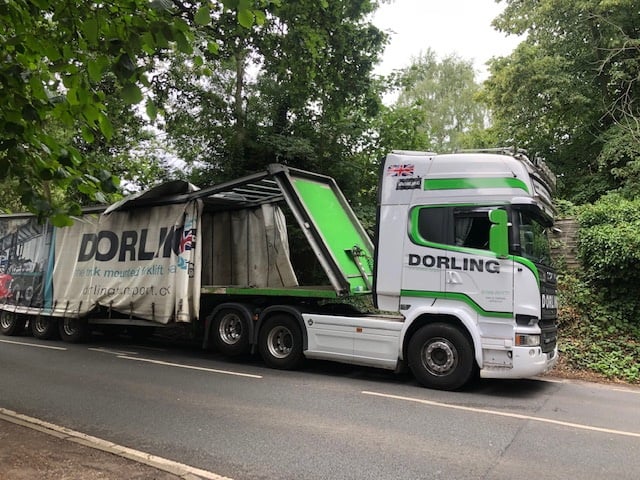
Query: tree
x: 443, y: 95
x: 296, y: 89
x: 55, y: 54
x: 570, y: 90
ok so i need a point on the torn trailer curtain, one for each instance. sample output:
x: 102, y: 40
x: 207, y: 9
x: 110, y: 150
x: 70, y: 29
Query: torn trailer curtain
x: 142, y: 262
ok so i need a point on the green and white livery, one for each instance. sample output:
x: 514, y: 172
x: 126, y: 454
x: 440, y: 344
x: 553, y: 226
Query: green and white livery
x: 462, y: 244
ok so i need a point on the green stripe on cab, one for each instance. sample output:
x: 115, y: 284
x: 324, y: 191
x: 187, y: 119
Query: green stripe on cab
x: 469, y: 183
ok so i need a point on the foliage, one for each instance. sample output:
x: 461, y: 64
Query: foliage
x: 595, y: 335
x: 565, y: 208
x: 609, y: 250
x: 620, y: 156
x: 296, y: 89
x: 570, y: 91
x: 441, y: 94
x: 55, y: 55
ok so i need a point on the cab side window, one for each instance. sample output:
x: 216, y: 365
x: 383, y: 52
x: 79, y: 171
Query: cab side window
x: 467, y: 227
x: 435, y: 224
x: 471, y: 229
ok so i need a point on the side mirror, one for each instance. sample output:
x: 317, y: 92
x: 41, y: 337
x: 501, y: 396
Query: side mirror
x: 499, y: 233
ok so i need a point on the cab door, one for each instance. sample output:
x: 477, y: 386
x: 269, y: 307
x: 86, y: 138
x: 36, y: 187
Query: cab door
x: 474, y: 273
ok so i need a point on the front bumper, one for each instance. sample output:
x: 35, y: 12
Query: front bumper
x: 527, y: 362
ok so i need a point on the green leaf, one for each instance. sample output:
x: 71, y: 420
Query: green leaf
x: 75, y: 209
x: 131, y: 94
x: 72, y: 97
x: 91, y: 114
x: 37, y: 89
x: 61, y: 220
x: 100, y: 197
x: 42, y: 4
x: 260, y: 17
x: 152, y: 110
x: 90, y: 29
x: 203, y: 16
x: 87, y: 135
x: 105, y: 126
x: 86, y: 188
x: 51, y: 51
x: 246, y: 18
x: 213, y: 47
x: 95, y: 70
x: 181, y: 25
x: 183, y: 43
x: 83, y: 95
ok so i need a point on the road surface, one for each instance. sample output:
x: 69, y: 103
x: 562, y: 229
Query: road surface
x: 242, y: 420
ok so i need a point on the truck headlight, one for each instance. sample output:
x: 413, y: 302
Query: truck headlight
x: 523, y: 340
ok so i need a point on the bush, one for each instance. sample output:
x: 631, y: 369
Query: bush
x: 609, y: 251
x: 610, y: 209
x: 595, y: 333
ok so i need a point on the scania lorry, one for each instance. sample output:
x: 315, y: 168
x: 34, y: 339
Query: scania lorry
x: 458, y: 270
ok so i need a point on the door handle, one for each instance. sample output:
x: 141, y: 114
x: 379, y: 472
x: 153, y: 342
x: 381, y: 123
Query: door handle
x: 454, y: 278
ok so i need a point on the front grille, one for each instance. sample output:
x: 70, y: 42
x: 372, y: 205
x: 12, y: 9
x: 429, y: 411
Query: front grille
x: 549, y: 335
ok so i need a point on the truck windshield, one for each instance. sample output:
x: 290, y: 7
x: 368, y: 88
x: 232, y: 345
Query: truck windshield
x: 534, y: 243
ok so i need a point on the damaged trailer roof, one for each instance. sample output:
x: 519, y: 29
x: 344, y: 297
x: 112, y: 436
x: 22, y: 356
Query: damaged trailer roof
x: 251, y: 190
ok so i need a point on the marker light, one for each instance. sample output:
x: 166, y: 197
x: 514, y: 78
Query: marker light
x: 527, y: 340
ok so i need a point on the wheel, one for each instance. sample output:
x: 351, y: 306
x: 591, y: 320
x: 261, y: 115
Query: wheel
x: 441, y: 356
x: 73, y: 330
x: 43, y: 327
x: 280, y: 342
x: 230, y: 332
x: 11, y: 323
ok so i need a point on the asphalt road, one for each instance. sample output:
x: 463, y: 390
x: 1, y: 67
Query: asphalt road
x: 245, y: 421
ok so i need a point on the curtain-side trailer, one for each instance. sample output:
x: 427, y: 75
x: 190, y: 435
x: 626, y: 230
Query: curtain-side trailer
x: 460, y: 262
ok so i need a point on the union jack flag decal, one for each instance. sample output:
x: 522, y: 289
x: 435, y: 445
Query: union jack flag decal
x: 186, y: 240
x: 404, y: 170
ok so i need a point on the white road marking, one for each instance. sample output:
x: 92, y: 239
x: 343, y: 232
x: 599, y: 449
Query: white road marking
x: 32, y: 345
x: 191, y: 367
x: 626, y: 390
x: 152, y: 349
x: 505, y: 414
x: 164, y: 464
x: 114, y: 352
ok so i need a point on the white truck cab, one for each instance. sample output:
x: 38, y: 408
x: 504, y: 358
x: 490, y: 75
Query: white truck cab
x: 461, y: 244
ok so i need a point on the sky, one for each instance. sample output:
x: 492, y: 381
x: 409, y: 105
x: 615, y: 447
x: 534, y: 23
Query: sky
x: 461, y: 27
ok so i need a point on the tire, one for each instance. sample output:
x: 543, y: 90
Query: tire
x: 73, y: 330
x: 440, y: 356
x: 230, y: 332
x: 43, y: 328
x: 11, y: 323
x: 280, y: 343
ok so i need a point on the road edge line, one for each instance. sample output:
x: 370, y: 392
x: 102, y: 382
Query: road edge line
x: 187, y: 472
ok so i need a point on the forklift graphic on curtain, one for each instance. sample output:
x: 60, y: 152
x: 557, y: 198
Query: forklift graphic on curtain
x: 24, y: 252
